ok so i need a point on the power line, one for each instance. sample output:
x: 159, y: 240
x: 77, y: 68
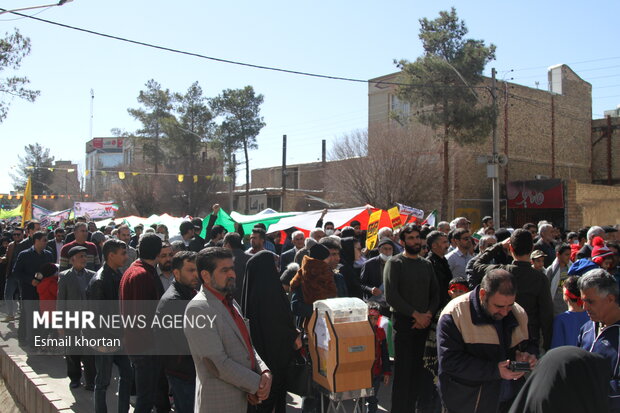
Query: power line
x: 233, y: 62
x: 569, y: 63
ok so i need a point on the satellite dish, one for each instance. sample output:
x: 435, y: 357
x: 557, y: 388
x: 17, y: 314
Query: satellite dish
x: 502, y: 160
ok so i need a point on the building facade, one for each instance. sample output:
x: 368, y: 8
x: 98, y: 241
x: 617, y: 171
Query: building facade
x: 544, y: 134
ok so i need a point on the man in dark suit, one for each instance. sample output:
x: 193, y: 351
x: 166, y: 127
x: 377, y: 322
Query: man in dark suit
x: 55, y: 246
x: 288, y: 256
x: 372, y: 271
x: 103, y: 288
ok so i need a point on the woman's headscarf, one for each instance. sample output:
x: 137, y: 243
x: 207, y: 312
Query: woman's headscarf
x: 265, y: 304
x: 567, y: 379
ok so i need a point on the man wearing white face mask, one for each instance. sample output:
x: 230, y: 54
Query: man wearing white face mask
x: 372, y: 271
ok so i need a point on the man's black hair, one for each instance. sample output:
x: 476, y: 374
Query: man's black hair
x: 217, y: 230
x: 234, y: 240
x: 433, y: 237
x: 561, y: 248
x: 260, y: 232
x: 180, y: 257
x: 459, y: 232
x: 58, y: 230
x: 185, y: 227
x: 38, y: 235
x: 329, y: 223
x: 408, y: 229
x: 521, y: 241
x: 582, y: 234
x: 208, y: 257
x: 111, y: 246
x: 499, y: 281
x: 260, y: 225
x: 31, y: 224
x: 149, y: 246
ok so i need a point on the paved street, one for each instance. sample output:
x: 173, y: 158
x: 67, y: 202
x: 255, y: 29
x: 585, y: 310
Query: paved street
x: 52, y: 371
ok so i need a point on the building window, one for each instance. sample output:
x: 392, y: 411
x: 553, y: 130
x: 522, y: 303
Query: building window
x: 274, y: 202
x: 399, y: 108
x: 292, y: 178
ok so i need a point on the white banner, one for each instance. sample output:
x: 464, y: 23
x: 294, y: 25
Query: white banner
x: 46, y: 217
x: 95, y: 210
x: 407, y: 210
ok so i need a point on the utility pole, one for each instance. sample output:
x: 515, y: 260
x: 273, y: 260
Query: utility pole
x: 493, y: 167
x: 283, y: 173
x: 231, y: 184
x: 92, y: 103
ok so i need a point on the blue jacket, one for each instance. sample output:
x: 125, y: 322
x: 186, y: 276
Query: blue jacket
x: 607, y: 344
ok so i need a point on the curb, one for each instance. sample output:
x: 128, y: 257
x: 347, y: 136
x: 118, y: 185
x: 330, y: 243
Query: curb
x: 29, y: 389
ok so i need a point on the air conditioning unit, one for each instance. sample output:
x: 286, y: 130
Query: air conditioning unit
x: 541, y: 177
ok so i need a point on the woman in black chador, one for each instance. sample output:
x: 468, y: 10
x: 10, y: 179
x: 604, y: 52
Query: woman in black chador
x: 272, y: 327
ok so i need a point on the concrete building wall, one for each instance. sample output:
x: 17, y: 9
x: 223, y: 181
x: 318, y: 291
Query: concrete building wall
x: 589, y: 204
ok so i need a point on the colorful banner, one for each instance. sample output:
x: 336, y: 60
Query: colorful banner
x: 373, y: 229
x: 407, y: 210
x: 46, y: 217
x: 395, y: 218
x: 95, y: 210
x: 11, y: 213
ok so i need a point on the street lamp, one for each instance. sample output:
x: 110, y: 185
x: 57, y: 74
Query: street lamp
x: 60, y: 3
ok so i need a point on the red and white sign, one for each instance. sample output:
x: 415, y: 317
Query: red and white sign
x: 545, y: 193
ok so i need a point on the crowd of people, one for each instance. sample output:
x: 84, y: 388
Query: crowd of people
x: 461, y: 318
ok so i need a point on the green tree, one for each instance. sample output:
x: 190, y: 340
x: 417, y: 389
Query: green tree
x: 241, y: 124
x: 34, y: 163
x: 157, y: 107
x: 442, y: 83
x: 189, y: 139
x: 13, y: 48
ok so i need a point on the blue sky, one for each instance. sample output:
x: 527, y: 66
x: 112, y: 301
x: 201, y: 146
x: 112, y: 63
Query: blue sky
x: 350, y: 39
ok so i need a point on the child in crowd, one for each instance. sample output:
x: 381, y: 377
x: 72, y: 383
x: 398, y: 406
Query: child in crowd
x: 537, y: 258
x: 381, y: 369
x: 566, y: 326
x: 46, y: 283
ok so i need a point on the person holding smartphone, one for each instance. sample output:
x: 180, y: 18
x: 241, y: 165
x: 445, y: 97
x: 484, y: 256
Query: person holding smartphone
x: 480, y: 336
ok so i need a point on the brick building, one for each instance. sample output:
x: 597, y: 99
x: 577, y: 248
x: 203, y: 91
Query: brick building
x: 555, y: 154
x: 546, y: 136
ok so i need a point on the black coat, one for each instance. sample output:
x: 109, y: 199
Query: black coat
x: 265, y: 304
x: 173, y: 302
x: 102, y: 294
x: 443, y: 274
x: 286, y: 258
x: 372, y: 275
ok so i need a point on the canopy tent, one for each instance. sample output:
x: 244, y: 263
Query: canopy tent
x: 274, y: 221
